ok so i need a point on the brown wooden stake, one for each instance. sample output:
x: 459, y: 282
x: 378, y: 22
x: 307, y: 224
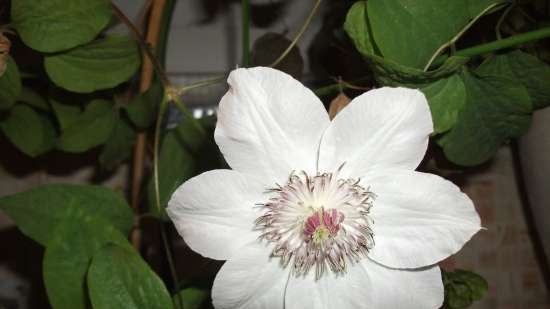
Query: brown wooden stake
x: 147, y: 70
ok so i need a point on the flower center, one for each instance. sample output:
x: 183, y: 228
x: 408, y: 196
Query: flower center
x: 319, y: 222
x: 322, y: 225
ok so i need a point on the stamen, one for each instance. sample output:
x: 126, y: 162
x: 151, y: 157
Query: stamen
x: 320, y: 221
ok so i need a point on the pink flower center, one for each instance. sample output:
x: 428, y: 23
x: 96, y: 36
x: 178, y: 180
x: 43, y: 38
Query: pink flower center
x: 323, y: 224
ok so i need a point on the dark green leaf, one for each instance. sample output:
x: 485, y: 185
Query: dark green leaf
x: 357, y: 27
x: 118, y: 146
x: 478, y: 285
x: 446, y: 98
x: 142, y: 109
x: 524, y: 69
x: 31, y: 98
x: 496, y: 110
x: 101, y: 64
x: 458, y: 296
x: 119, y: 279
x: 270, y: 46
x: 54, y: 25
x: 66, y: 114
x: 38, y: 211
x: 31, y: 132
x: 68, y: 254
x: 10, y: 85
x: 192, y: 297
x: 462, y: 288
x: 92, y: 128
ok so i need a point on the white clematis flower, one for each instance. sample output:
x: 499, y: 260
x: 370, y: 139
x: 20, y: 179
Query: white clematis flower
x: 318, y: 213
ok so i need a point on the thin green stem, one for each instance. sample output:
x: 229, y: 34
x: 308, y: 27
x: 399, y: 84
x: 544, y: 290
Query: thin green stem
x: 202, y: 83
x: 499, y: 44
x: 458, y: 35
x: 245, y: 5
x: 298, y: 35
x: 156, y: 145
x: 501, y: 20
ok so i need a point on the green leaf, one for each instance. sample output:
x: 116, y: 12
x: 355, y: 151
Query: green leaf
x: 55, y: 25
x: 446, y: 98
x: 524, y: 69
x: 32, y: 98
x: 119, y: 279
x: 357, y: 27
x: 92, y: 128
x: 142, y: 109
x: 408, y: 32
x: 101, y: 64
x: 458, y: 296
x: 496, y: 110
x: 192, y: 297
x: 389, y: 72
x: 118, y: 146
x: 31, y: 132
x: 10, y: 85
x: 478, y: 285
x: 462, y: 288
x: 66, y: 114
x: 68, y: 254
x: 38, y: 211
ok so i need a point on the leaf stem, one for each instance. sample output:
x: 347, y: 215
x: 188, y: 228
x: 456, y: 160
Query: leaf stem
x: 458, y: 35
x: 156, y: 145
x: 245, y: 5
x: 299, y: 34
x: 499, y: 44
x: 202, y: 83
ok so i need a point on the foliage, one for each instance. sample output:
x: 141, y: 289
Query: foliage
x: 475, y: 109
x: 121, y: 271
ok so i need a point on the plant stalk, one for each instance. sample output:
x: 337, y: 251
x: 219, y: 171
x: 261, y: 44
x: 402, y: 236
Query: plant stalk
x: 499, y: 44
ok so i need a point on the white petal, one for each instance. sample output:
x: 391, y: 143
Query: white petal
x: 269, y: 124
x: 367, y: 285
x: 251, y: 279
x: 214, y: 212
x: 350, y: 290
x: 385, y: 127
x: 419, y: 219
x: 404, y: 289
